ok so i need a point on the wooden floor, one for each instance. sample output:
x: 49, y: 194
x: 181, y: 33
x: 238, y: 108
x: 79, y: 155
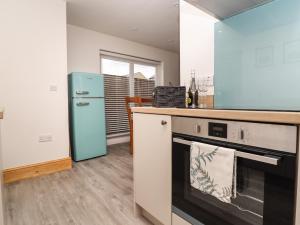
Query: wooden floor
x: 94, y: 192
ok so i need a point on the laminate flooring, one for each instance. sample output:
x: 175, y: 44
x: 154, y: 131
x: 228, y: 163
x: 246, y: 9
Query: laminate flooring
x: 95, y: 192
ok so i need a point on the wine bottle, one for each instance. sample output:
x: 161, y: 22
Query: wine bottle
x: 190, y: 98
x: 193, y: 90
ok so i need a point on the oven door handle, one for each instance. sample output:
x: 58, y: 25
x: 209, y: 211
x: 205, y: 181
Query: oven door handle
x: 273, y: 160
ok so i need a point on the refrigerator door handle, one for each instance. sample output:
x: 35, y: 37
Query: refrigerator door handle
x: 82, y: 103
x: 82, y: 92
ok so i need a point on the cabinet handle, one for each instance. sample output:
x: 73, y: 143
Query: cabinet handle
x: 82, y: 103
x: 242, y: 135
x: 82, y: 92
x: 163, y: 122
x: 198, y: 128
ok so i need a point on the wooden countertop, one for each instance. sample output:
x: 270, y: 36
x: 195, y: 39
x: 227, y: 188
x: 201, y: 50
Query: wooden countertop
x: 244, y: 115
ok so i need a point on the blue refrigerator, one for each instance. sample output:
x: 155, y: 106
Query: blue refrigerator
x: 87, y: 116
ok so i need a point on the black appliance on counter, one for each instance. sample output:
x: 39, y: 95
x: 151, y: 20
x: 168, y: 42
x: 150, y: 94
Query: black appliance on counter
x: 266, y: 171
x: 169, y: 97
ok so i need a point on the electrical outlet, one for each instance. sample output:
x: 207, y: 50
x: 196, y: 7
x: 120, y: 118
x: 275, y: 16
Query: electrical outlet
x: 45, y: 138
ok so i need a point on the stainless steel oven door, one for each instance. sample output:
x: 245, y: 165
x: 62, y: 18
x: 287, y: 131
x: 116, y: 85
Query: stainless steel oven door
x: 265, y: 187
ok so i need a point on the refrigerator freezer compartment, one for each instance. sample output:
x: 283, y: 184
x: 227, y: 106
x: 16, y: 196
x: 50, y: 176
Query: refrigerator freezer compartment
x: 85, y: 85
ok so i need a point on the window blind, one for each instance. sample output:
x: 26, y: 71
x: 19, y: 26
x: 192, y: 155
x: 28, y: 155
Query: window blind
x: 143, y: 87
x: 124, y: 76
x: 116, y: 88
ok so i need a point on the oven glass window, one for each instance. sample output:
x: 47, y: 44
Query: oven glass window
x: 247, y: 206
x: 265, y: 193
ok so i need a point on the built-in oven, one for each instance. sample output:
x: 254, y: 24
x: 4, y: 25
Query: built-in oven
x: 266, y: 170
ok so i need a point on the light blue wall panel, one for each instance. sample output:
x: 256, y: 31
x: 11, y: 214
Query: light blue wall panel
x: 257, y: 58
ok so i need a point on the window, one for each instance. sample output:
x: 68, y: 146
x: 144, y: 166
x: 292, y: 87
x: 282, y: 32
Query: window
x: 148, y: 71
x: 125, y: 77
x: 144, y: 80
x: 114, y: 67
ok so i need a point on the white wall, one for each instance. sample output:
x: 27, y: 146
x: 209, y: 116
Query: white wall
x: 196, y: 43
x: 84, y: 47
x: 33, y: 56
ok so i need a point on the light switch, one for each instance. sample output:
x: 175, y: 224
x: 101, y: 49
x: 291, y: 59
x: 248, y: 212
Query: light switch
x: 53, y: 88
x: 45, y: 138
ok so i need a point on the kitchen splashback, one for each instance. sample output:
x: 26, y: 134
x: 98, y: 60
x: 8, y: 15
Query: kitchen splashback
x: 257, y: 58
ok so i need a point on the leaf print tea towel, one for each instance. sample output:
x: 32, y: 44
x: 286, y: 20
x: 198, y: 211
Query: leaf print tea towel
x: 213, y: 170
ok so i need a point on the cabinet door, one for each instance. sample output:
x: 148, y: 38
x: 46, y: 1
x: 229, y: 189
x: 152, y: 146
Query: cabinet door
x: 152, y: 165
x: 176, y: 220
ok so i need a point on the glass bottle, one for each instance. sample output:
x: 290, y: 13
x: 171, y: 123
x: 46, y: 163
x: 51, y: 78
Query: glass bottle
x: 196, y: 97
x: 192, y: 91
x: 190, y: 97
x: 187, y: 99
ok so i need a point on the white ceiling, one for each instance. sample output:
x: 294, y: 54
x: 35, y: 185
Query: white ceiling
x: 222, y: 9
x: 150, y: 22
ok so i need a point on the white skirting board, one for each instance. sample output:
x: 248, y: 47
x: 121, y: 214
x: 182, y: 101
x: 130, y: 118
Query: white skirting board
x: 118, y: 140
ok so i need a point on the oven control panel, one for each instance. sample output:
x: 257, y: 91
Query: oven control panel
x: 265, y: 135
x: 217, y: 130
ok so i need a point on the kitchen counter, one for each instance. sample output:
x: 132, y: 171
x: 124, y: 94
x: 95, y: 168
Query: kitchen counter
x: 244, y: 115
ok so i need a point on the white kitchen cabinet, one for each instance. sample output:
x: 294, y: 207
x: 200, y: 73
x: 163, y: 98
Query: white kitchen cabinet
x: 152, y: 165
x: 176, y: 220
